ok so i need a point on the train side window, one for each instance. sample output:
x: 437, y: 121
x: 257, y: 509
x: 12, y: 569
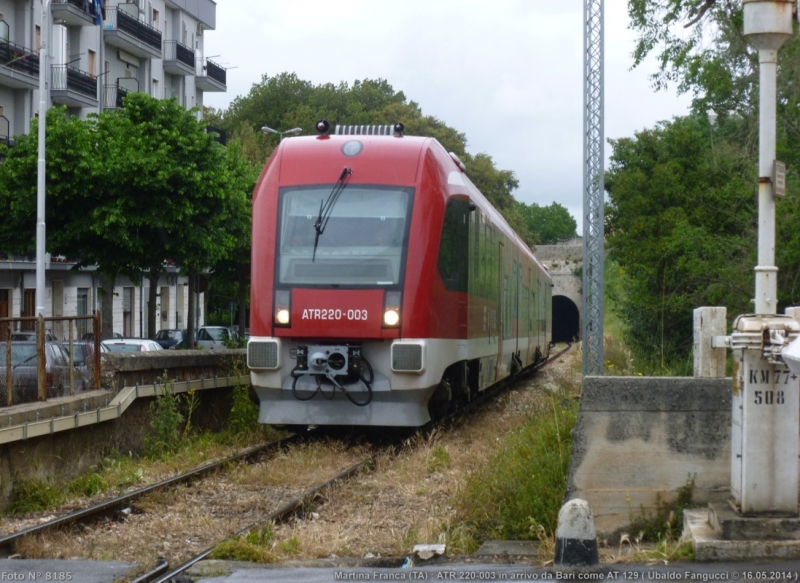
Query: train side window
x: 453, y: 261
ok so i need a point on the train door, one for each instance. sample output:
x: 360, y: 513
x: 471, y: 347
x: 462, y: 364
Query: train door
x: 528, y: 299
x: 502, y: 289
x: 515, y: 277
x: 538, y: 316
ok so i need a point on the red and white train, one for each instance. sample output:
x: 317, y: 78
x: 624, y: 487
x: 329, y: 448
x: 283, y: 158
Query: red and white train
x: 384, y: 285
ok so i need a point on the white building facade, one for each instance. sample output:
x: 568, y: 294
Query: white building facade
x: 98, y: 52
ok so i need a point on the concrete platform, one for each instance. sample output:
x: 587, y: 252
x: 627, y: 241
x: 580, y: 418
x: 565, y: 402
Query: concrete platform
x: 510, y: 548
x: 710, y: 545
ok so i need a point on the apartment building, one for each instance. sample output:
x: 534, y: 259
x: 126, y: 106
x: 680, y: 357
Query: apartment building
x: 98, y: 51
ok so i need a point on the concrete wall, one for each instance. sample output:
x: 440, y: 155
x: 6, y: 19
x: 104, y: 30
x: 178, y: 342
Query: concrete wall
x: 62, y: 456
x: 639, y: 439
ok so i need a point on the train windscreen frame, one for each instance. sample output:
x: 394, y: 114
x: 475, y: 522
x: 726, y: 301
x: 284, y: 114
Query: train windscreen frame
x: 363, y: 244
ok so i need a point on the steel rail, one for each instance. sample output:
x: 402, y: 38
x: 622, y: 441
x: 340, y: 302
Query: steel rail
x: 83, y: 513
x: 298, y: 503
x: 281, y: 514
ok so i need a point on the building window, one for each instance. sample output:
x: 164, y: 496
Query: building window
x: 37, y: 38
x: 92, y: 62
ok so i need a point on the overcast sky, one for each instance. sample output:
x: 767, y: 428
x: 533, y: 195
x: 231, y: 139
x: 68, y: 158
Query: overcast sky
x: 507, y: 73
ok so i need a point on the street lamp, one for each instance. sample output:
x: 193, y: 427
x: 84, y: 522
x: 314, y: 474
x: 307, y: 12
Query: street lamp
x: 44, y: 96
x: 290, y: 132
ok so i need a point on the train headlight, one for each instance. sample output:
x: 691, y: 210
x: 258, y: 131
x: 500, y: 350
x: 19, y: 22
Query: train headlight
x: 283, y: 307
x: 391, y: 318
x: 282, y: 317
x: 391, y: 309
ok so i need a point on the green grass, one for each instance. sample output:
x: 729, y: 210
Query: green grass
x: 172, y: 445
x: 255, y: 547
x: 521, y: 490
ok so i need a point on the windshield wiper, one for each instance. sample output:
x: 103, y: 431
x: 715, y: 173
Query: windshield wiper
x: 326, y: 207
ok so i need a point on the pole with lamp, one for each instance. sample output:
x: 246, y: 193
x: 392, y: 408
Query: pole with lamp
x: 766, y: 392
x: 293, y: 131
x: 41, y: 167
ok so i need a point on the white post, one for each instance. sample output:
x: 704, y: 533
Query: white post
x: 41, y: 167
x: 766, y: 394
x: 766, y: 271
x: 710, y: 323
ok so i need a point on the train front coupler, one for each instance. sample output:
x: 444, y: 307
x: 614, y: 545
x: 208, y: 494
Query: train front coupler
x: 336, y: 364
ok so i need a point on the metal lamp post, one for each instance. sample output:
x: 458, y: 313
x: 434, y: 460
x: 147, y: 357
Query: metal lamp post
x: 766, y: 394
x: 268, y: 130
x: 41, y: 167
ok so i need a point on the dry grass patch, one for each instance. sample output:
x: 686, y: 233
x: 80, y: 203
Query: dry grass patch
x: 411, y: 497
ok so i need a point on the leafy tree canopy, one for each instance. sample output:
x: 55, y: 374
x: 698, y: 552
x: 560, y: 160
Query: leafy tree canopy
x: 126, y: 190
x: 681, y: 225
x: 548, y: 224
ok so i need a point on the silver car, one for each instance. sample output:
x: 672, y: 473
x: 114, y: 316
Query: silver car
x: 24, y: 371
x: 214, y: 337
x: 131, y: 345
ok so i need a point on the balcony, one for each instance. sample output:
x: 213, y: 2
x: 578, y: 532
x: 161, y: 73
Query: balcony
x: 19, y: 67
x: 112, y: 96
x: 5, y: 135
x: 72, y: 12
x: 210, y: 77
x: 73, y: 87
x: 128, y: 33
x: 178, y: 59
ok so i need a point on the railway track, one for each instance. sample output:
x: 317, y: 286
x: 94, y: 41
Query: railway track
x: 7, y: 542
x: 287, y: 507
x: 275, y: 503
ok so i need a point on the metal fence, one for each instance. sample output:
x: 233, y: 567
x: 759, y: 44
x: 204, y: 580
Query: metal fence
x: 43, y: 358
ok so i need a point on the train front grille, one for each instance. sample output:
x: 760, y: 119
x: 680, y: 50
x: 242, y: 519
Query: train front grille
x: 407, y: 358
x: 263, y: 354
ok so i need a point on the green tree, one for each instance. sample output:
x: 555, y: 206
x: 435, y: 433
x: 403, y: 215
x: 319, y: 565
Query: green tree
x: 681, y: 226
x: 548, y: 224
x: 127, y: 191
x: 231, y: 275
x: 161, y: 157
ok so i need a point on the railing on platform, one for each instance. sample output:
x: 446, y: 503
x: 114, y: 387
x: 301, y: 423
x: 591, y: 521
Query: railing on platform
x: 40, y: 362
x: 113, y: 409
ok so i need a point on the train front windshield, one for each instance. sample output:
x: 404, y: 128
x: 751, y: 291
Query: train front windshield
x: 361, y: 242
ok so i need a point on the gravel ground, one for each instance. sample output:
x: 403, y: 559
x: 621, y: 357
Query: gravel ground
x: 404, y: 500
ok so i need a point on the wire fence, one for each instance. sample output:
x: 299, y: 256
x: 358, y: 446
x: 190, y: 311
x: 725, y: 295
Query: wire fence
x: 43, y: 358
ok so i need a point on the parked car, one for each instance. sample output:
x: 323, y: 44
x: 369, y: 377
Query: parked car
x: 31, y: 337
x: 131, y: 345
x: 90, y: 336
x: 171, y: 339
x: 82, y: 359
x: 215, y: 337
x: 24, y: 371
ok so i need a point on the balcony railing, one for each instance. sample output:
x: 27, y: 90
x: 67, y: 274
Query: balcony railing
x: 5, y: 133
x: 175, y: 51
x: 72, y: 79
x: 216, y: 72
x: 73, y: 12
x: 121, y: 20
x: 19, y: 58
x: 112, y: 96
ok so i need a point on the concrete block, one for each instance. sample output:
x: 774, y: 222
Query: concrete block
x: 638, y: 440
x: 709, y: 362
